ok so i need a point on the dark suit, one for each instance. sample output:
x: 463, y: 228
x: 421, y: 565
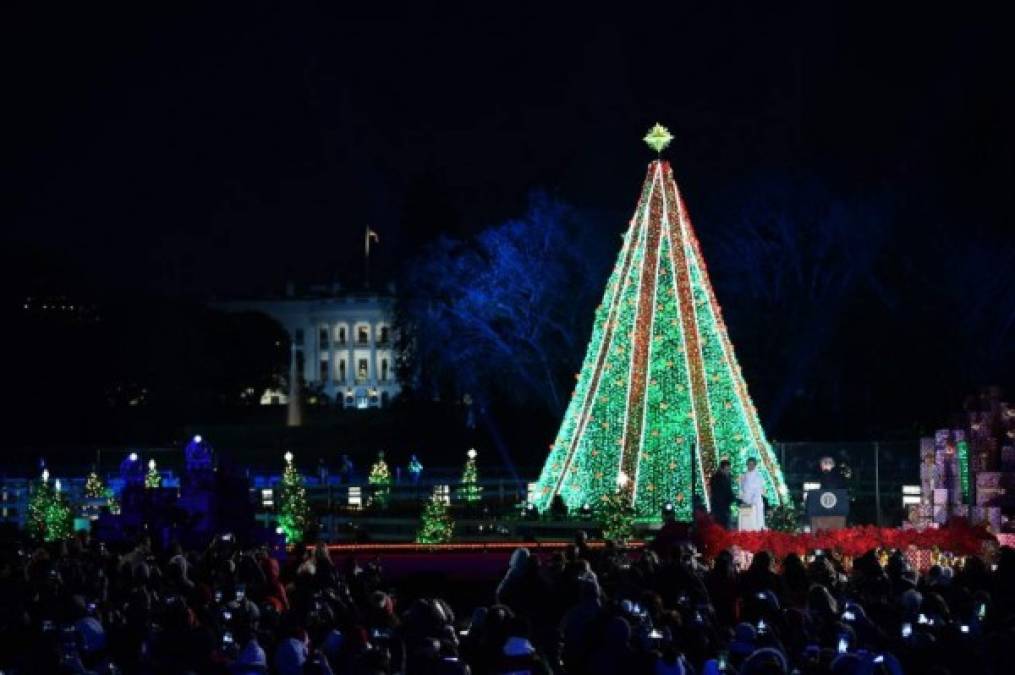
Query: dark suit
x: 831, y: 480
x: 722, y: 498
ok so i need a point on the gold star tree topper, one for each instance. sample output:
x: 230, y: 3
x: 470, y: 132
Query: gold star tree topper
x: 658, y: 137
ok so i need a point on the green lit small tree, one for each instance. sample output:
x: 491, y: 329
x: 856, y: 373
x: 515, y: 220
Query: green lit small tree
x: 436, y: 525
x: 616, y: 514
x: 94, y: 488
x: 380, y: 480
x: 152, y: 479
x: 59, y: 516
x: 470, y: 491
x: 293, y: 509
x: 40, y: 496
x: 49, y: 514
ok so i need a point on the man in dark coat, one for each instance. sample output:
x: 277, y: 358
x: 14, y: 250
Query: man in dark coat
x: 722, y: 494
x: 830, y: 479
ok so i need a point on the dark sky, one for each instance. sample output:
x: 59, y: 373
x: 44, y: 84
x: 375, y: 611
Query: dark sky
x: 216, y: 148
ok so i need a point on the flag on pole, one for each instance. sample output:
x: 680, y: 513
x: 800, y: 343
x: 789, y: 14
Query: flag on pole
x: 370, y: 234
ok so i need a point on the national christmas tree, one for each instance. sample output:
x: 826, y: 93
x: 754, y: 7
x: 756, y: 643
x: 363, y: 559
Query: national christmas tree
x: 470, y: 491
x: 293, y: 508
x: 660, y: 398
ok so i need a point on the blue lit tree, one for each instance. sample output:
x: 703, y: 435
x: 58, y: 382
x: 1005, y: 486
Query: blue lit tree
x: 506, y: 311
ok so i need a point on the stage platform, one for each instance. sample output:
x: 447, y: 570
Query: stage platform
x: 366, y: 529
x: 473, y: 561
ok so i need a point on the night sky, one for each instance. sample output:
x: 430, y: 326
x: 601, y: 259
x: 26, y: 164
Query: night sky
x: 199, y: 150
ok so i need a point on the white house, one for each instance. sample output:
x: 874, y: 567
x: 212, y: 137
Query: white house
x: 343, y: 341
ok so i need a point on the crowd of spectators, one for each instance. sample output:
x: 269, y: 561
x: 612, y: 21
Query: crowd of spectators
x: 79, y: 607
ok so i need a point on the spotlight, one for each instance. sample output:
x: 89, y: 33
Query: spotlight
x: 288, y: 457
x: 668, y: 506
x: 132, y: 456
x: 198, y: 439
x: 586, y: 509
x: 151, y: 464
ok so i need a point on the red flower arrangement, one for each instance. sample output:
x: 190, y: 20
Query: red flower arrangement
x: 957, y: 537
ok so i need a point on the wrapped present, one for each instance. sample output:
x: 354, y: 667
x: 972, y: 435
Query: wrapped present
x: 940, y: 496
x: 941, y: 513
x: 988, y: 479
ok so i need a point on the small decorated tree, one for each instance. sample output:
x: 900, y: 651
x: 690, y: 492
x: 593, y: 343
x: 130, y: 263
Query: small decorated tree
x: 94, y: 489
x: 293, y: 510
x: 152, y: 479
x: 470, y: 491
x: 380, y: 479
x: 59, y: 516
x: 783, y: 518
x: 111, y: 501
x: 616, y: 514
x: 436, y: 525
x: 40, y: 497
x: 49, y: 515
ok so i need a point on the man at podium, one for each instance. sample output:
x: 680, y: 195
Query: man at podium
x: 828, y: 507
x: 830, y: 479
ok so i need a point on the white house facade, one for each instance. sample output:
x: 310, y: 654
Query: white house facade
x: 342, y: 342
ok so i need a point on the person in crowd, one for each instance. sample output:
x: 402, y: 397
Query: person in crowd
x: 722, y: 494
x: 752, y: 502
x: 84, y: 607
x: 829, y: 478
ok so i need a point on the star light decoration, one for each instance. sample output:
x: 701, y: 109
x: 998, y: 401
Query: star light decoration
x: 658, y: 138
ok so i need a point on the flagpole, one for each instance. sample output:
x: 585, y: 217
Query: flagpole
x: 366, y: 257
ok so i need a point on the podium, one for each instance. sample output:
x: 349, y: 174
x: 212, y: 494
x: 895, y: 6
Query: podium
x: 827, y: 509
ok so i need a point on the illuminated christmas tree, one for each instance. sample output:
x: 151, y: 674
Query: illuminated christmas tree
x: 49, y: 514
x: 436, y: 525
x: 59, y: 516
x: 39, y: 499
x: 660, y: 397
x: 470, y: 491
x: 94, y: 489
x: 293, y: 508
x: 152, y: 479
x: 380, y: 479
